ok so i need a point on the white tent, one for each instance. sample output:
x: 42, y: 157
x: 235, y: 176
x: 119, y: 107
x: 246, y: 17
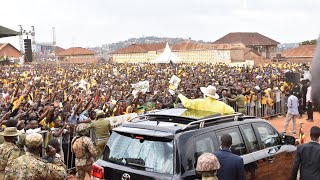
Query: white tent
x: 167, y: 56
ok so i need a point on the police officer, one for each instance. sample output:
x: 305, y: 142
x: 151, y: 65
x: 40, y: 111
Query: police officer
x: 9, y: 151
x: 84, y: 150
x: 31, y: 166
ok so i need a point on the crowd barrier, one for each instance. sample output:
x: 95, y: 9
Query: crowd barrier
x: 263, y: 108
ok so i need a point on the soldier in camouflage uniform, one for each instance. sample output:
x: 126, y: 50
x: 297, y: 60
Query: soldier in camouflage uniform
x: 30, y: 166
x: 84, y: 150
x: 9, y: 151
x: 103, y: 130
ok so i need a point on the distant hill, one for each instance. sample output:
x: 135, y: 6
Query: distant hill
x: 106, y: 50
x: 286, y: 46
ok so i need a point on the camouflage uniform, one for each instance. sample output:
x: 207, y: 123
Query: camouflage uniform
x: 59, y: 170
x: 32, y: 167
x: 84, y: 150
x: 8, y: 153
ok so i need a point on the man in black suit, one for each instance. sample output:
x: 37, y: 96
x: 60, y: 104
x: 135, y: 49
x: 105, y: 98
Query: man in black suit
x: 308, y: 158
x: 232, y: 167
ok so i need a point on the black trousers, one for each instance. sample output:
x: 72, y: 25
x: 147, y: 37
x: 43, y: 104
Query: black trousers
x: 310, y: 111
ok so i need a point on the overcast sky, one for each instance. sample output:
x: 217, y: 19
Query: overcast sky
x: 96, y: 22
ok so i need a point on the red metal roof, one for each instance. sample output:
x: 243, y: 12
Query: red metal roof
x: 246, y: 38
x: 192, y: 46
x: 58, y: 49
x: 189, y: 45
x: 76, y: 51
x: 301, y: 51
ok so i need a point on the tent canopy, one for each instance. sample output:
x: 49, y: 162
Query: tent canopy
x: 6, y: 32
x: 167, y: 56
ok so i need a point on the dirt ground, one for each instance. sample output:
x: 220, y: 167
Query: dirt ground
x: 278, y: 122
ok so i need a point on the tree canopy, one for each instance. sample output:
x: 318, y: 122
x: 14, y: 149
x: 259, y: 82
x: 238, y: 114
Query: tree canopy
x: 311, y: 42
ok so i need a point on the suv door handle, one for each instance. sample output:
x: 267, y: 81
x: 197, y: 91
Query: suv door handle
x: 271, y: 159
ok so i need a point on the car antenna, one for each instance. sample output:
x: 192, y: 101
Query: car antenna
x: 158, y: 122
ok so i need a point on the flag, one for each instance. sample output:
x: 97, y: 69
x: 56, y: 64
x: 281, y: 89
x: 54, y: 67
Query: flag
x: 302, y: 137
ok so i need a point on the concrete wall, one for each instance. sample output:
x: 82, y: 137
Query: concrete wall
x: 271, y: 52
x: 205, y: 56
x: 237, y: 55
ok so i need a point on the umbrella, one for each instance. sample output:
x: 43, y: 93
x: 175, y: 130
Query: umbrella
x: 5, y: 32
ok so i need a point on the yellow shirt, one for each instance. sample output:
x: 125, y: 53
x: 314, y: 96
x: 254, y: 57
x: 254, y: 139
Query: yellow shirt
x: 44, y: 123
x: 207, y: 104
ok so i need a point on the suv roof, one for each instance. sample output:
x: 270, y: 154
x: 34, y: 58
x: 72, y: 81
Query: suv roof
x: 178, y: 120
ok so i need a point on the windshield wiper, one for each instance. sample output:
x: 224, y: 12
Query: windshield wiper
x: 139, y: 165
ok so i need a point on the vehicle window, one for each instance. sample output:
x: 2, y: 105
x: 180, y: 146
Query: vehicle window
x: 149, y: 154
x: 269, y: 137
x: 203, y: 145
x: 251, y: 137
x: 238, y: 147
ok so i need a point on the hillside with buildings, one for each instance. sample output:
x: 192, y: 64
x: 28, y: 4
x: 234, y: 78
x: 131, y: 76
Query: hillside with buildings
x: 106, y: 49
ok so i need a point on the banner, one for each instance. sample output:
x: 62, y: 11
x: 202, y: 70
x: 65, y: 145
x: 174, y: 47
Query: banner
x: 174, y: 83
x: 142, y: 86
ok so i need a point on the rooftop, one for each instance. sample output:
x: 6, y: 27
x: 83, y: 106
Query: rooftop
x: 246, y: 38
x: 76, y: 51
x: 189, y: 45
x: 6, y: 32
x: 140, y: 48
x: 301, y: 51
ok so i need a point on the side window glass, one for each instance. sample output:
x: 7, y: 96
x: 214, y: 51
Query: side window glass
x: 238, y: 147
x: 251, y: 137
x: 203, y: 144
x: 269, y: 137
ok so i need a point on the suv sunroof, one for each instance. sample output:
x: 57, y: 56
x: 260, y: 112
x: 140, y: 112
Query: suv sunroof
x: 188, y: 113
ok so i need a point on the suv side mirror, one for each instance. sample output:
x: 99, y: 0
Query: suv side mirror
x: 290, y: 140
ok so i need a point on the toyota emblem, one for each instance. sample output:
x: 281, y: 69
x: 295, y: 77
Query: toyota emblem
x: 125, y: 176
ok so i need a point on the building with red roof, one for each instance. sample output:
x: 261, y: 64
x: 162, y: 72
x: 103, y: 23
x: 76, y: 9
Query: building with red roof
x: 303, y: 53
x: 188, y: 51
x: 9, y: 51
x: 76, y: 55
x: 262, y: 44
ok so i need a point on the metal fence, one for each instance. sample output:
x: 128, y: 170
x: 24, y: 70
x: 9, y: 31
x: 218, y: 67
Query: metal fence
x: 263, y: 107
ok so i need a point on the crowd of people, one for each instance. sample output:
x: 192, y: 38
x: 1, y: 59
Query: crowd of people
x: 58, y: 97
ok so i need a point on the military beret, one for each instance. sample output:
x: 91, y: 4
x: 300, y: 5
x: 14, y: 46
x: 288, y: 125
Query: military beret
x: 34, y: 140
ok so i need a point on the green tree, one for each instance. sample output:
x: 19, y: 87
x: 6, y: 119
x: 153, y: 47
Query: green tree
x: 311, y: 42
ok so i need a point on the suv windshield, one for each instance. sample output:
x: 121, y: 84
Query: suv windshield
x: 144, y: 153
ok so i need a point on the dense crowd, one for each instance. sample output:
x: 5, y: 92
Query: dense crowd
x: 58, y: 97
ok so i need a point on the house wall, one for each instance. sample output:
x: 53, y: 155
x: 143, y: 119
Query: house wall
x: 134, y: 57
x: 62, y: 58
x: 298, y: 59
x: 10, y: 51
x: 237, y: 55
x: 191, y: 56
x: 271, y: 52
